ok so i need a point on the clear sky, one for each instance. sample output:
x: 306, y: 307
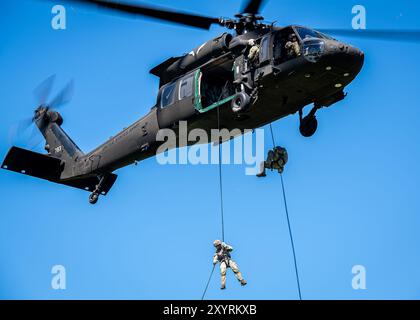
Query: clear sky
x: 352, y: 188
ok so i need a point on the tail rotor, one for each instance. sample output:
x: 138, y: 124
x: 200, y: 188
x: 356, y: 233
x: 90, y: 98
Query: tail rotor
x: 45, y: 111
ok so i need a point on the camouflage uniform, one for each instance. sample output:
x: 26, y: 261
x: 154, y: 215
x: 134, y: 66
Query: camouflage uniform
x: 276, y: 160
x: 222, y: 255
x: 254, y: 51
x: 293, y: 48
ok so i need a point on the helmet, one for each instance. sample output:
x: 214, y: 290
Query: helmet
x: 217, y: 243
x: 292, y: 36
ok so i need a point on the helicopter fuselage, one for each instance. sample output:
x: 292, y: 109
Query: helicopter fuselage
x: 242, y: 82
x: 283, y: 85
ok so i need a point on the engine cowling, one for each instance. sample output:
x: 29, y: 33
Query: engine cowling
x: 200, y: 55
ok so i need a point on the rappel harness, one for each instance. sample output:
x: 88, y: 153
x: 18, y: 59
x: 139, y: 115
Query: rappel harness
x: 223, y: 255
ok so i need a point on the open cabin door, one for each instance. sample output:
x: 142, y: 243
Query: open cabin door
x: 209, y: 94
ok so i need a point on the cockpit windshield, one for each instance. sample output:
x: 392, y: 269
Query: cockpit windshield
x: 305, y: 33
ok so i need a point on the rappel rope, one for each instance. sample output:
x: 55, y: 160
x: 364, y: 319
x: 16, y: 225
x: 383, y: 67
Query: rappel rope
x: 221, y: 200
x: 288, y: 222
x: 220, y: 179
x: 222, y: 213
x: 208, y: 282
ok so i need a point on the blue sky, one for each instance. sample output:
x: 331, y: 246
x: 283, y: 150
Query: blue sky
x: 352, y: 188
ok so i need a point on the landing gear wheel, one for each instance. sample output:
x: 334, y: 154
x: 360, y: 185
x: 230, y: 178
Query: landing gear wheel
x: 308, y: 126
x: 93, y: 198
x: 240, y: 102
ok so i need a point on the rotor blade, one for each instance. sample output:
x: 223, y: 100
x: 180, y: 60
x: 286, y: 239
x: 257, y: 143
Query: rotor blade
x: 63, y: 97
x: 389, y: 35
x: 188, y: 19
x: 18, y: 130
x: 42, y: 92
x: 252, y: 6
x: 35, y: 139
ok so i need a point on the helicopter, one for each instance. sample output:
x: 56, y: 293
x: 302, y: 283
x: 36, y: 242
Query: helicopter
x: 242, y: 79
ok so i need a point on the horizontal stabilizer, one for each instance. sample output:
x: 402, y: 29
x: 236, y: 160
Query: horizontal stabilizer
x: 49, y: 168
x: 32, y: 164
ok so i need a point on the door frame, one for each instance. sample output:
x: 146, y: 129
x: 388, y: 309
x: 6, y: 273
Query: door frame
x: 197, y: 95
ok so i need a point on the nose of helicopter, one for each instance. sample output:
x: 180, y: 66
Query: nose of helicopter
x: 344, y: 56
x: 356, y: 56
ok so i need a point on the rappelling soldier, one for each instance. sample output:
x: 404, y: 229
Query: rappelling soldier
x: 276, y: 160
x: 222, y: 255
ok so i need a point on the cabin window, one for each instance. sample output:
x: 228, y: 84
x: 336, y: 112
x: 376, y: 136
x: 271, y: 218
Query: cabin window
x: 265, y: 49
x: 186, y: 87
x: 167, y: 97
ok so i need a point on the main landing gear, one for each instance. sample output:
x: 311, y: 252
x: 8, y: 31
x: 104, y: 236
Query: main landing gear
x: 309, y: 123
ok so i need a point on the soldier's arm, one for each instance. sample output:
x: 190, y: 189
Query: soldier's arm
x: 228, y: 248
x: 297, y: 48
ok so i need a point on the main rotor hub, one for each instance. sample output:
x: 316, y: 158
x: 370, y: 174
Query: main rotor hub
x: 243, y: 22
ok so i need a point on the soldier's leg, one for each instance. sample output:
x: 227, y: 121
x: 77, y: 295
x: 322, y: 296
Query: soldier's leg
x: 223, y: 268
x: 278, y: 166
x: 237, y: 272
x: 262, y: 170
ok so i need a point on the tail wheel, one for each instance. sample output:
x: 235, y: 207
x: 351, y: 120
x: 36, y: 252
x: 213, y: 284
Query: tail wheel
x: 93, y: 198
x: 241, y: 102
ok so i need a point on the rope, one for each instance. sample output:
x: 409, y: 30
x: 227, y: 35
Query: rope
x: 220, y: 179
x: 291, y: 237
x: 272, y: 136
x: 208, y: 282
x: 288, y: 223
x: 221, y: 202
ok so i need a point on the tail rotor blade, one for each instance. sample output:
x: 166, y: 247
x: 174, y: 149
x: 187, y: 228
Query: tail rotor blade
x: 42, y: 92
x: 35, y: 139
x: 24, y: 124
x: 64, y: 96
x: 18, y: 129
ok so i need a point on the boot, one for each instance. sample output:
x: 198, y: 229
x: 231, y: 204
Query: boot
x: 262, y: 174
x: 243, y: 282
x: 223, y: 287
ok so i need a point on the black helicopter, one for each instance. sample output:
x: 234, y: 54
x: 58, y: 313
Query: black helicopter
x: 220, y: 84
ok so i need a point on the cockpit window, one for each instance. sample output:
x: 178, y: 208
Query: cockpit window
x: 168, y: 94
x: 305, y: 33
x: 325, y: 36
